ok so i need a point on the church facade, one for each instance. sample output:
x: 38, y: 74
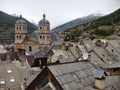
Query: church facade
x: 35, y: 41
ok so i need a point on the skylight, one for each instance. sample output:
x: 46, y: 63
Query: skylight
x: 75, y: 77
x: 12, y: 79
x: 9, y: 70
x: 2, y: 81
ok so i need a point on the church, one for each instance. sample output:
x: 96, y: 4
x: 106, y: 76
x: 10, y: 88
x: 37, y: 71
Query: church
x: 35, y: 41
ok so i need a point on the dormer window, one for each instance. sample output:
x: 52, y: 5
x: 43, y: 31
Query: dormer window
x: 2, y: 81
x: 9, y: 70
x: 12, y: 79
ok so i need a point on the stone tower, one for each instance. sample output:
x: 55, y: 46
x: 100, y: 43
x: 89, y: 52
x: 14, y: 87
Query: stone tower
x: 20, y: 30
x: 43, y: 32
x: 20, y: 33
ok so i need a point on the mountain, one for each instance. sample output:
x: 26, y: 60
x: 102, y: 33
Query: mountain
x: 7, y: 23
x: 105, y: 26
x: 102, y: 27
x: 78, y: 21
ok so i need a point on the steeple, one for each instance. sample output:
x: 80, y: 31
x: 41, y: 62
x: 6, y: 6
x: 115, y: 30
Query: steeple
x: 43, y: 16
x: 20, y: 16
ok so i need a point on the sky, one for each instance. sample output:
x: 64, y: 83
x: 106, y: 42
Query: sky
x: 57, y: 11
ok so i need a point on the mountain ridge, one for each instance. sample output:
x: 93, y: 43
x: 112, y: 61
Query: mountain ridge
x: 76, y: 22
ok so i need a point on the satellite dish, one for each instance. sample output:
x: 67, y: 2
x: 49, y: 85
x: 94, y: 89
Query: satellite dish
x: 85, y: 56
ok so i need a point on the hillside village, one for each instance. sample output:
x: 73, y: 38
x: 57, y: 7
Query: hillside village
x: 42, y: 60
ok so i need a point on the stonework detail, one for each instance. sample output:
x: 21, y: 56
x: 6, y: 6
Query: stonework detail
x: 34, y: 42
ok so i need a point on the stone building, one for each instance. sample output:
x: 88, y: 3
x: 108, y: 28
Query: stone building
x: 35, y: 41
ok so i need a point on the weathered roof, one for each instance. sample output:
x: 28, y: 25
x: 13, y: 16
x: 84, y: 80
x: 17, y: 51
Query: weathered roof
x: 81, y: 70
x: 6, y: 76
x: 115, y: 44
x: 115, y: 65
x: 42, y: 53
x: 89, y: 44
x: 30, y: 59
x: 79, y: 76
x: 10, y: 56
x: 62, y: 56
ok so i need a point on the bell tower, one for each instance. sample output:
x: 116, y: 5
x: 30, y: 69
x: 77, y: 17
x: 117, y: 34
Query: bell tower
x: 20, y: 33
x: 20, y: 30
x: 44, y: 32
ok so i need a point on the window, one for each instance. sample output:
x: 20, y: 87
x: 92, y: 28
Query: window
x: 20, y: 28
x: 40, y: 37
x: 30, y: 48
x: 12, y: 79
x: 2, y: 81
x: 75, y: 77
x: 17, y: 37
x: 40, y: 28
x: 17, y: 28
x: 9, y: 70
x: 20, y: 37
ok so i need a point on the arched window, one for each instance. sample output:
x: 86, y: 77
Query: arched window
x: 17, y: 37
x: 20, y: 37
x: 20, y: 28
x: 40, y: 28
x: 40, y: 37
x: 30, y: 49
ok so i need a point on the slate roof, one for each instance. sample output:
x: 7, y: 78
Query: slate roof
x: 115, y: 65
x: 42, y: 53
x: 30, y: 59
x: 115, y: 44
x: 98, y: 55
x: 6, y: 76
x: 89, y: 44
x: 84, y: 72
x: 10, y: 55
x: 62, y: 56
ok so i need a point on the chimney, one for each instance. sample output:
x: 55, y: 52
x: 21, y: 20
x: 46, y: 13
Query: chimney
x: 100, y: 82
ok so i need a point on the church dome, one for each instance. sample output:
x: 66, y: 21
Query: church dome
x: 20, y: 21
x: 44, y: 22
